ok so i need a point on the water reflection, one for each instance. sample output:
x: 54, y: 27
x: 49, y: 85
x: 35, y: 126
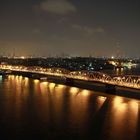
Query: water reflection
x: 1, y: 78
x: 27, y: 104
x: 74, y: 90
x: 51, y: 87
x: 43, y: 87
x: 124, y: 71
x: 124, y: 117
x: 101, y: 100
x: 119, y: 71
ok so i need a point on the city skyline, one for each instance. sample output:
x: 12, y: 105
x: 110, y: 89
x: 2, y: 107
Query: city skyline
x: 76, y: 28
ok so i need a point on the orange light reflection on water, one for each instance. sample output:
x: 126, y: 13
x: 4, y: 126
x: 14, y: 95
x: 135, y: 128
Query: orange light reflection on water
x: 85, y: 93
x: 74, y: 90
x: 124, y: 117
x: 43, y: 87
x: 51, y: 87
x: 101, y: 100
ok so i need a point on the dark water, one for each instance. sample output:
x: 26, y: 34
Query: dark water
x: 126, y: 71
x: 32, y: 109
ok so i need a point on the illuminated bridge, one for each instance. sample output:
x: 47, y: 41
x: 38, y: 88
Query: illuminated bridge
x: 129, y: 81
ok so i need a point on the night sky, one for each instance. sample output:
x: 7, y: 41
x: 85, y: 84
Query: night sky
x: 73, y: 27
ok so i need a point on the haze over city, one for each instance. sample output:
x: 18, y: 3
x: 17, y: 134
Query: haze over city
x: 73, y: 27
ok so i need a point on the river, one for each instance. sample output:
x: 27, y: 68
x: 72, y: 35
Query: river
x: 32, y: 109
x: 135, y: 70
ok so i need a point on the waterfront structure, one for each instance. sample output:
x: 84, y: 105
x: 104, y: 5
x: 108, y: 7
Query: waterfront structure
x: 129, y: 81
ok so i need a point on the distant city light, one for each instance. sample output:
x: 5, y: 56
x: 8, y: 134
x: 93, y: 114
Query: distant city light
x: 112, y: 57
x: 22, y: 57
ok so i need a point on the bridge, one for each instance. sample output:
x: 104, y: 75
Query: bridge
x: 127, y: 81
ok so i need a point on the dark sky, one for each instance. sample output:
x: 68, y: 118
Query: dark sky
x: 74, y: 27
